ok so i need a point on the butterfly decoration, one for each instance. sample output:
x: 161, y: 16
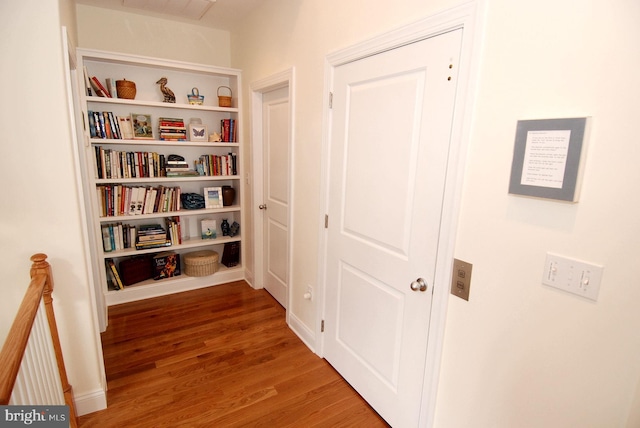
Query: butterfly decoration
x: 198, y: 132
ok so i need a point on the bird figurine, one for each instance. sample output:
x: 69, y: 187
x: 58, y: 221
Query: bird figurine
x: 169, y: 96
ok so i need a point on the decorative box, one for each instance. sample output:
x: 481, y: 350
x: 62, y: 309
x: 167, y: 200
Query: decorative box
x: 201, y: 263
x: 136, y: 269
x: 166, y: 265
x: 231, y: 254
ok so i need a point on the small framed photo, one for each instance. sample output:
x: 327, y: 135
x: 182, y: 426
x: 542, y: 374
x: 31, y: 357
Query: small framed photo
x: 213, y: 197
x: 198, y: 133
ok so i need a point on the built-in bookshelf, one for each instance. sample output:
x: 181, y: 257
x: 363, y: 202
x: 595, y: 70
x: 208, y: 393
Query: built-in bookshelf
x: 140, y: 157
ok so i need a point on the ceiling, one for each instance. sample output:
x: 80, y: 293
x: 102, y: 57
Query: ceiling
x: 223, y: 14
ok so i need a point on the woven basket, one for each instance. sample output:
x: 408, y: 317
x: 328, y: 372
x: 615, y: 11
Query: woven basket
x: 223, y: 100
x: 201, y: 263
x: 126, y: 89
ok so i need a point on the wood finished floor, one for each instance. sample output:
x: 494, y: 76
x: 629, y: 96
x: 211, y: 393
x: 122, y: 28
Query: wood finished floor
x: 221, y: 356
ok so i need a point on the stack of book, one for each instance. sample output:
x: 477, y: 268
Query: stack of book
x: 172, y: 129
x: 178, y: 168
x: 152, y: 236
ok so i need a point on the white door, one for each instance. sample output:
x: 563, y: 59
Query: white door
x: 392, y: 116
x: 275, y: 206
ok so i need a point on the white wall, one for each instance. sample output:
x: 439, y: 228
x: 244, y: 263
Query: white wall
x: 518, y: 353
x: 40, y: 208
x: 117, y: 31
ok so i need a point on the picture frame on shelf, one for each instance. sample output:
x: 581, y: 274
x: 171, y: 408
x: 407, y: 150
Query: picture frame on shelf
x: 213, y: 197
x: 198, y: 132
x: 142, y: 126
x: 208, y: 228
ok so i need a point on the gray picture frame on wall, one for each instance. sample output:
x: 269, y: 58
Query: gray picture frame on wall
x: 548, y: 157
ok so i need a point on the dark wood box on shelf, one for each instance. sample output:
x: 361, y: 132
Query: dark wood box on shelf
x: 231, y: 254
x: 136, y: 269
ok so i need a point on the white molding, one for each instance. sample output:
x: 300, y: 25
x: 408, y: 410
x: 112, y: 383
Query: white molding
x: 148, y: 289
x: 462, y: 17
x: 90, y: 402
x: 282, y: 79
x: 302, y: 331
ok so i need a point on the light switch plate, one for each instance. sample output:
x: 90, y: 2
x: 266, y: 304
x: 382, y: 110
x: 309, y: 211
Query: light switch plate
x: 461, y: 279
x: 573, y: 276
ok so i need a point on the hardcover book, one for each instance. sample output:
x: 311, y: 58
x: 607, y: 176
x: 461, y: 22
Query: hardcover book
x: 142, y: 129
x: 166, y: 265
x: 126, y: 128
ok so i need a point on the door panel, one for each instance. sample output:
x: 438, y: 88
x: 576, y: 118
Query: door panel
x: 275, y: 112
x: 392, y: 116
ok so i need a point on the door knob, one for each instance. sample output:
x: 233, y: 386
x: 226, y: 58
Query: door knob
x: 419, y: 285
x: 262, y: 206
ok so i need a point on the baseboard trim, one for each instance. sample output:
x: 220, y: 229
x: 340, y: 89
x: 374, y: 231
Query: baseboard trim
x: 302, y: 331
x: 90, y: 402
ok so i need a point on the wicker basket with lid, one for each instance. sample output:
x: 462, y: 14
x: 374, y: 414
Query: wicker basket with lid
x: 126, y: 89
x: 201, y: 263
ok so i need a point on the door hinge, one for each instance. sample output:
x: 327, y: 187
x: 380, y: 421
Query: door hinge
x: 322, y: 326
x: 326, y: 221
x: 330, y: 99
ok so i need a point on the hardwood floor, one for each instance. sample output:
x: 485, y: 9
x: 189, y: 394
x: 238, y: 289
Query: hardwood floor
x: 221, y: 356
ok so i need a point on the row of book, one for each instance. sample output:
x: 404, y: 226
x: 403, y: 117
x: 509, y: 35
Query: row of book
x: 217, y: 164
x: 118, y: 236
x: 228, y: 130
x: 119, y: 164
x: 172, y: 129
x: 94, y: 86
x: 104, y: 124
x: 118, y: 200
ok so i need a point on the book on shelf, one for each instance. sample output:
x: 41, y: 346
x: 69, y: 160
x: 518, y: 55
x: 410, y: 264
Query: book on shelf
x: 99, y: 88
x: 119, y: 200
x: 111, y: 163
x: 104, y: 124
x: 174, y: 230
x: 126, y: 127
x: 216, y: 165
x: 148, y: 246
x: 111, y: 87
x: 166, y: 265
x: 186, y: 173
x: 117, y: 236
x: 112, y: 271
x: 152, y: 236
x: 142, y: 129
x: 87, y: 82
x: 228, y: 130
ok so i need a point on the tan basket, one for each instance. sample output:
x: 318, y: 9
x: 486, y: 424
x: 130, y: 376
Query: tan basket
x: 201, y: 263
x: 224, y: 101
x: 126, y: 89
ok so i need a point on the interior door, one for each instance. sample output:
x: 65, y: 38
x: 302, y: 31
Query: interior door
x: 391, y: 126
x: 275, y: 208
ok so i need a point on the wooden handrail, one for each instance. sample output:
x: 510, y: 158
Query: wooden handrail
x: 41, y: 286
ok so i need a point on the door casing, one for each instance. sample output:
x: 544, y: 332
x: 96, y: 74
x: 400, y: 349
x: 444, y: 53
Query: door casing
x: 464, y: 17
x: 258, y: 88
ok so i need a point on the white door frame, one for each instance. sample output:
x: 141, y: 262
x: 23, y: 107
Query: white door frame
x: 276, y: 81
x: 465, y: 17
